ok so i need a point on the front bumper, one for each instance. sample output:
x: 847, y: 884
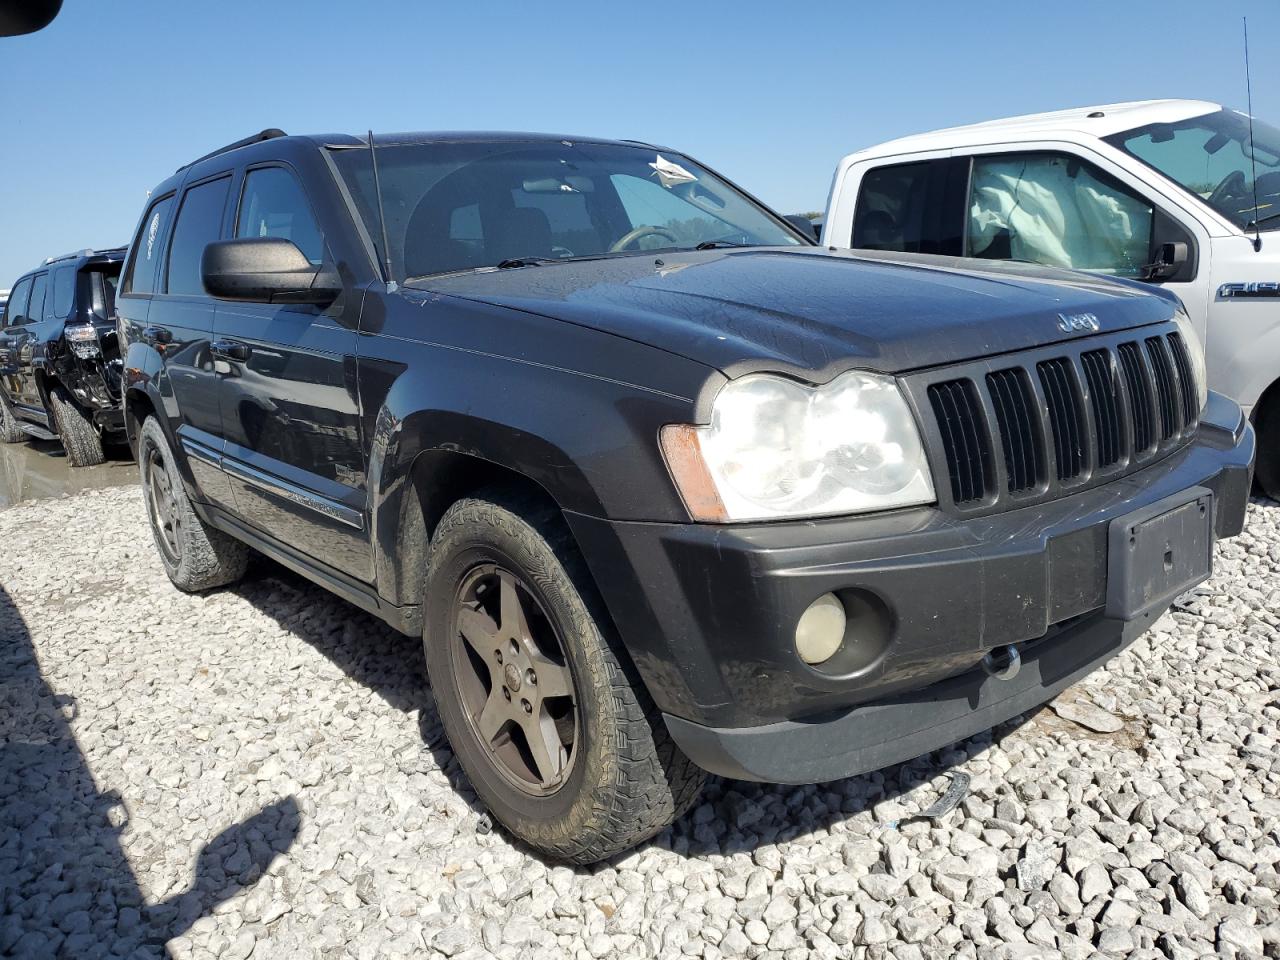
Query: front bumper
x: 708, y: 614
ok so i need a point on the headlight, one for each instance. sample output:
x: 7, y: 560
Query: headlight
x: 1195, y: 353
x: 778, y: 448
x: 83, y: 339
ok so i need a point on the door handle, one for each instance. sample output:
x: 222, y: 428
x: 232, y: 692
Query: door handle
x: 230, y: 350
x: 158, y: 335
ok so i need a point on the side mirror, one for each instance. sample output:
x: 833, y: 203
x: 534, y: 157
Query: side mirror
x: 804, y: 225
x: 265, y: 270
x: 1168, y: 262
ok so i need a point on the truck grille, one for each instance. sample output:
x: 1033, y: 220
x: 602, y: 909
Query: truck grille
x: 1011, y: 431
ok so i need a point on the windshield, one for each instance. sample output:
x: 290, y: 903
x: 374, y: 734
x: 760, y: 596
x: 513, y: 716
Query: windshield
x: 1209, y: 156
x: 457, y: 206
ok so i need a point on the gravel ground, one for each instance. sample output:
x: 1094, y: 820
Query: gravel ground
x: 261, y: 772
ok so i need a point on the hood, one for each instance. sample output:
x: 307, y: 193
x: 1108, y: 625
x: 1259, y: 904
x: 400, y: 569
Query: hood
x: 812, y: 311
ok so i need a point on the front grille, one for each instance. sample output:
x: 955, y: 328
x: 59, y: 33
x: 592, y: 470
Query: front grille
x: 1059, y: 384
x: 1058, y: 419
x: 959, y: 414
x: 1016, y: 416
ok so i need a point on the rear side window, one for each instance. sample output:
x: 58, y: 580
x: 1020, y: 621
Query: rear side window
x: 1057, y: 210
x: 147, y: 247
x: 39, y: 286
x: 16, y: 309
x: 273, y: 205
x: 199, y: 223
x: 912, y: 208
x: 64, y: 292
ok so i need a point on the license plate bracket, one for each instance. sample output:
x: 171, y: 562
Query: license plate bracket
x: 1159, y: 552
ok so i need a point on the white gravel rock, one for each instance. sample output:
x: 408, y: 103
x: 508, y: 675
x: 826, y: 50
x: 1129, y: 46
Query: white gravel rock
x: 260, y: 771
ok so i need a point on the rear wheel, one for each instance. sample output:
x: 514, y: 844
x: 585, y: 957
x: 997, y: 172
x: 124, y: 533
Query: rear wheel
x: 79, y: 437
x: 195, y: 555
x: 1266, y: 469
x: 10, y: 432
x: 552, y: 726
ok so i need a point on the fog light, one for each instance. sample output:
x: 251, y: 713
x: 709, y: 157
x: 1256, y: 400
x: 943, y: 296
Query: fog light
x: 821, y: 629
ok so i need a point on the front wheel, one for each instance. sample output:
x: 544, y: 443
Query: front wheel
x: 79, y: 437
x: 548, y: 720
x: 1266, y: 470
x: 10, y: 431
x: 195, y: 555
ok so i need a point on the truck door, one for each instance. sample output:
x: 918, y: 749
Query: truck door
x: 24, y: 338
x: 12, y: 335
x: 287, y: 387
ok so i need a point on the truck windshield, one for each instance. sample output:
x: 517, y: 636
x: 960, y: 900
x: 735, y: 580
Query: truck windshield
x: 1209, y: 156
x: 454, y: 206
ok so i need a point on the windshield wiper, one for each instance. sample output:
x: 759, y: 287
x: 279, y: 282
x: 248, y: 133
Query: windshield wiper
x: 714, y: 244
x: 512, y: 262
x: 1261, y: 220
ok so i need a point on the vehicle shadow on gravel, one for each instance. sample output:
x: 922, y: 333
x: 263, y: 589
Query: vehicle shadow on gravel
x: 67, y: 888
x: 744, y: 816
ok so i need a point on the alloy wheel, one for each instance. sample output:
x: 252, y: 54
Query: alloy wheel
x: 514, y: 679
x: 165, y: 515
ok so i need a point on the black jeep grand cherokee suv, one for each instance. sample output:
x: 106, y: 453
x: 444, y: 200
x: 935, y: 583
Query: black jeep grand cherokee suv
x: 663, y: 487
x: 59, y: 359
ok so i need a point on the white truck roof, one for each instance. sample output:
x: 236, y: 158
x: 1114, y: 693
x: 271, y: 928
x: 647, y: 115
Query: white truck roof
x: 1097, y: 121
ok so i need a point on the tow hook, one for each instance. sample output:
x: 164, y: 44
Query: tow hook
x: 1003, y: 663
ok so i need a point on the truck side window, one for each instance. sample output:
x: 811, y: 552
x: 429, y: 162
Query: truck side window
x: 64, y: 292
x: 16, y: 309
x: 147, y: 247
x: 912, y: 208
x: 35, y: 309
x: 199, y: 223
x: 1057, y: 210
x: 273, y: 205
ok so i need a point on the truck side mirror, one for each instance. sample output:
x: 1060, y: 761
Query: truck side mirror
x: 265, y: 270
x: 804, y: 225
x: 1168, y: 261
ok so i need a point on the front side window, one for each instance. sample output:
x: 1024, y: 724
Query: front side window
x: 15, y: 311
x: 1057, y: 210
x: 273, y: 205
x: 199, y: 224
x: 39, y: 287
x: 64, y: 291
x: 1210, y: 157
x: 147, y: 247
x: 454, y: 206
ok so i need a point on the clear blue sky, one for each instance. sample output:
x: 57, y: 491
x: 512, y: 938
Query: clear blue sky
x: 107, y: 101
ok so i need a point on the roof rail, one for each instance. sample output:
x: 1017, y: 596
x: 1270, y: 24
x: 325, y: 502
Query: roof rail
x: 86, y: 252
x: 269, y: 134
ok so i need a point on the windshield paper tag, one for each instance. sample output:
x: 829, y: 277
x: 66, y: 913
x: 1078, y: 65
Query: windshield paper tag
x: 671, y: 174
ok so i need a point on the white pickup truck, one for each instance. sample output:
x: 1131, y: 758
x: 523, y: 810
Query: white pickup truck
x: 1161, y: 191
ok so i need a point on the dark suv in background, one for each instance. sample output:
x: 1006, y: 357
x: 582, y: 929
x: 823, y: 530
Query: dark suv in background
x: 60, y: 358
x: 664, y: 488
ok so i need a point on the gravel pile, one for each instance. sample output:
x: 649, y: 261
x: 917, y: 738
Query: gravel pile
x: 260, y: 772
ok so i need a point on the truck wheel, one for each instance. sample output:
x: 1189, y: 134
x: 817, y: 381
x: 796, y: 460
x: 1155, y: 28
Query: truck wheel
x: 79, y: 436
x: 1266, y: 470
x: 548, y: 720
x: 195, y: 555
x: 10, y: 432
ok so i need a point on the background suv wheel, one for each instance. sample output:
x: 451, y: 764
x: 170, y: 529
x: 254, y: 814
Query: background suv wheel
x: 79, y: 436
x: 10, y: 432
x: 547, y: 717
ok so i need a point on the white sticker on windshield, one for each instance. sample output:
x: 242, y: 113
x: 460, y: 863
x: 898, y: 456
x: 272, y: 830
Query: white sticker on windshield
x: 670, y: 174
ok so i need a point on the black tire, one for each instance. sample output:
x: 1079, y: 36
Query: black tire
x: 10, y: 432
x: 195, y: 555
x: 626, y: 780
x: 1266, y: 470
x: 79, y: 436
